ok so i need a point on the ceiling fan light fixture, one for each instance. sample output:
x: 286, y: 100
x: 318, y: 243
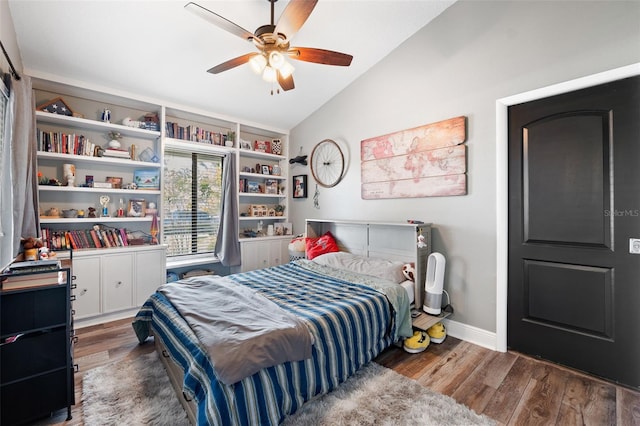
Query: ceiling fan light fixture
x: 286, y: 70
x: 276, y: 59
x: 258, y: 63
x: 269, y: 75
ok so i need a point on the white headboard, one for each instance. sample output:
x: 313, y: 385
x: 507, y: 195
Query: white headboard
x: 387, y: 240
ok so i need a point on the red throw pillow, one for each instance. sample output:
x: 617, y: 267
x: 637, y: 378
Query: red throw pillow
x: 320, y: 245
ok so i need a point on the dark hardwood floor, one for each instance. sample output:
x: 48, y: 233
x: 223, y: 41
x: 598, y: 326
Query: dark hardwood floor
x: 511, y: 388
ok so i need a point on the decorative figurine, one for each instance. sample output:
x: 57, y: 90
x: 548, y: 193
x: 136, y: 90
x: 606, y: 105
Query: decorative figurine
x: 104, y: 202
x: 106, y: 116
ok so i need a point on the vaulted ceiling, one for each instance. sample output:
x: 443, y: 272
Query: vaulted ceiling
x: 156, y: 49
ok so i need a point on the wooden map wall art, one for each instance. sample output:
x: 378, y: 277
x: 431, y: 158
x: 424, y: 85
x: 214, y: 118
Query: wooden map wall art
x: 426, y: 161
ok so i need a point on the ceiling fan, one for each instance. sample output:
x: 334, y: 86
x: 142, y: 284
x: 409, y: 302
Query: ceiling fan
x: 273, y: 43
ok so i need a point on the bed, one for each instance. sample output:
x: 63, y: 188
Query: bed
x: 348, y: 317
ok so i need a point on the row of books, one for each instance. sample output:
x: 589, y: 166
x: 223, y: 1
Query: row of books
x: 85, y: 238
x: 195, y: 134
x: 65, y: 143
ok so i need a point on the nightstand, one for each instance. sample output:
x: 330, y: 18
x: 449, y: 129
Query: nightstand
x: 425, y: 320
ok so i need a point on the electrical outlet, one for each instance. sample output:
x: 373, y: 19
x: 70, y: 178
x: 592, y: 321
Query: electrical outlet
x: 634, y: 245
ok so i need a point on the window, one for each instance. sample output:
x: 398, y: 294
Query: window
x: 192, y: 197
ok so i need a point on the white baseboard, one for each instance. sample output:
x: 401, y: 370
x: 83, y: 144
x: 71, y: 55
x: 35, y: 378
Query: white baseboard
x: 477, y: 336
x: 104, y: 318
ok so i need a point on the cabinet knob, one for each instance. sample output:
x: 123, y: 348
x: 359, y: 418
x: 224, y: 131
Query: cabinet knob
x: 119, y: 283
x: 83, y: 292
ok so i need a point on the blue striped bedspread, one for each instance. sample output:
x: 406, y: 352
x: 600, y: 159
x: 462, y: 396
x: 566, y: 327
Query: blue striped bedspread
x: 351, y: 323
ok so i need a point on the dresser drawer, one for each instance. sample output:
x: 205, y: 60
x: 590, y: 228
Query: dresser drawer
x: 34, y: 354
x: 28, y: 310
x: 33, y: 398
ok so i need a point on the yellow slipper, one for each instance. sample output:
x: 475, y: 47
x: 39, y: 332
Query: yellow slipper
x: 417, y: 343
x: 437, y: 332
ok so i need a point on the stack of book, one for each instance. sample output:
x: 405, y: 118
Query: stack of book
x: 117, y: 153
x: 20, y: 275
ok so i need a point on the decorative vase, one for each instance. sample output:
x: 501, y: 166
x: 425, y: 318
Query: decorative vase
x: 114, y: 144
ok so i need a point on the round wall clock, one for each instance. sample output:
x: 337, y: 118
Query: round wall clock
x: 327, y: 163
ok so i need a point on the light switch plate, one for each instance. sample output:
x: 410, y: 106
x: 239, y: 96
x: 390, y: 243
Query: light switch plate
x: 634, y: 245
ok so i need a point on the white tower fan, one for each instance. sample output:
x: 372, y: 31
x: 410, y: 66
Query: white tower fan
x: 433, y: 284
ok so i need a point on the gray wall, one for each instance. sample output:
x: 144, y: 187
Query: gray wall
x: 473, y: 54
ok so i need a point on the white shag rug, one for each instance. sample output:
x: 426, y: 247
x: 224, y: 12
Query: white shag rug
x: 138, y: 392
x: 379, y: 396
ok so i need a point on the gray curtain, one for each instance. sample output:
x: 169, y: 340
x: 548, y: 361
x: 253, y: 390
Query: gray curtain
x: 6, y: 194
x: 24, y: 168
x: 227, y: 244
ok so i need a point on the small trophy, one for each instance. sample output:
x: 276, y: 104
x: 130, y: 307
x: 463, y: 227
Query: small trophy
x: 104, y: 201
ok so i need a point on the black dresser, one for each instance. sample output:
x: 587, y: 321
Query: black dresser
x: 36, y: 349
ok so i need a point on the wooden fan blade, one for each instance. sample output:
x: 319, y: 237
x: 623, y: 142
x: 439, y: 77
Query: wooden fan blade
x: 218, y: 21
x: 320, y: 56
x: 294, y: 16
x: 232, y: 63
x: 285, y: 83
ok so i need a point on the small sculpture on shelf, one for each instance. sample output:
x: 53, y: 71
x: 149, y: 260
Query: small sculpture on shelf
x: 279, y: 208
x: 114, y: 140
x: 104, y: 202
x: 92, y: 212
x: 69, y: 171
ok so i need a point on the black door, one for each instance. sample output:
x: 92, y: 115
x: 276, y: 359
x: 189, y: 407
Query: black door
x: 574, y: 210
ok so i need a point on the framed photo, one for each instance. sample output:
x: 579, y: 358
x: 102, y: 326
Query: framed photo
x: 262, y: 146
x: 278, y: 228
x: 265, y: 169
x: 137, y: 207
x: 116, y: 182
x: 271, y: 186
x: 147, y: 179
x: 253, y: 187
x: 288, y: 229
x: 245, y: 145
x: 300, y: 186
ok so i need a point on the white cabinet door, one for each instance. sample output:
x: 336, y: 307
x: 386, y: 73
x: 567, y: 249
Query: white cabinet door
x: 117, y: 282
x: 150, y: 273
x: 262, y: 254
x: 87, y: 291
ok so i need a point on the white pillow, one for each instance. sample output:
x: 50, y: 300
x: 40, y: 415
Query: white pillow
x: 388, y: 269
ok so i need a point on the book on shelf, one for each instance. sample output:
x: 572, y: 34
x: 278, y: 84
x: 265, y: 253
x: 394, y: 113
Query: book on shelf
x: 117, y: 153
x: 34, y: 266
x: 64, y: 143
x: 85, y: 238
x: 27, y: 280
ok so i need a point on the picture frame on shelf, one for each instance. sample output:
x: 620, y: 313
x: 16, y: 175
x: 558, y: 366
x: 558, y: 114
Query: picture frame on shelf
x: 56, y: 106
x: 147, y: 179
x: 253, y: 187
x: 271, y: 186
x: 265, y: 169
x: 137, y: 207
x: 278, y: 228
x: 245, y: 145
x: 287, y: 228
x: 262, y: 146
x: 116, y: 181
x: 300, y: 186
